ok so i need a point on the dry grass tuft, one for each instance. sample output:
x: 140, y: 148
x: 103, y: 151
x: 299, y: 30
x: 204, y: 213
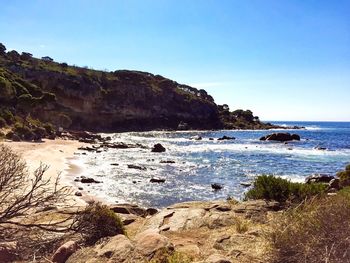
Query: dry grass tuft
x: 316, y: 231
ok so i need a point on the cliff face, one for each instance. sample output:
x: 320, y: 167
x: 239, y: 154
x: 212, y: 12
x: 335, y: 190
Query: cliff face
x: 113, y: 101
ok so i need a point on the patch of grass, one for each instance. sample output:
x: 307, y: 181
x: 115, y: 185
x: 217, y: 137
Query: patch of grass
x: 269, y: 187
x: 241, y: 225
x: 318, y: 230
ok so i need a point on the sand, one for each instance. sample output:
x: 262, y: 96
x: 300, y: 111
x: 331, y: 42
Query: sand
x: 56, y: 154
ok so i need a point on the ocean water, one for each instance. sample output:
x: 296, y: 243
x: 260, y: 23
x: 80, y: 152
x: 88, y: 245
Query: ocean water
x: 198, y: 164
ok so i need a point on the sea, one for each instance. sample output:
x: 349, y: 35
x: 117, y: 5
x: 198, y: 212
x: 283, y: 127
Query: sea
x: 195, y: 165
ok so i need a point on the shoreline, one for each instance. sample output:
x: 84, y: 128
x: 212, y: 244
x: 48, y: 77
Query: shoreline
x: 56, y: 154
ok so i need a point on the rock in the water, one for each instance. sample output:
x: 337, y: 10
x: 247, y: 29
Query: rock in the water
x: 319, y: 178
x: 226, y: 138
x: 167, y: 162
x: 89, y: 181
x: 216, y: 186
x: 245, y: 184
x: 132, y: 166
x: 64, y: 252
x: 149, y: 242
x: 158, y: 148
x: 281, y: 137
x: 196, y: 138
x: 157, y: 180
x: 78, y: 193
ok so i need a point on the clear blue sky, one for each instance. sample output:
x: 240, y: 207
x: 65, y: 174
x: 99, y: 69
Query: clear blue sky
x: 283, y: 59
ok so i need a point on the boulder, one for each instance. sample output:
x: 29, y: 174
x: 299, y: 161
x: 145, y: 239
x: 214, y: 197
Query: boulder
x: 216, y: 186
x: 132, y: 166
x: 334, y: 184
x: 128, y: 209
x: 15, y: 138
x: 64, y: 252
x: 226, y: 138
x: 8, y: 251
x: 319, y: 178
x: 78, y: 193
x: 167, y: 162
x: 281, y: 137
x: 149, y: 242
x: 196, y: 138
x: 157, y: 180
x: 89, y: 181
x: 158, y: 148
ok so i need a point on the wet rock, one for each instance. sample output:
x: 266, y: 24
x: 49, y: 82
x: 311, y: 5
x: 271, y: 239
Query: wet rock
x: 319, y: 178
x: 167, y: 162
x: 158, y: 148
x: 137, y: 167
x: 245, y: 184
x: 80, y: 188
x: 320, y: 148
x: 78, y: 193
x: 196, y: 138
x: 211, y: 139
x: 334, y: 183
x: 281, y: 137
x: 157, y: 180
x: 64, y: 252
x: 226, y: 138
x: 114, y: 164
x: 216, y: 186
x: 89, y: 180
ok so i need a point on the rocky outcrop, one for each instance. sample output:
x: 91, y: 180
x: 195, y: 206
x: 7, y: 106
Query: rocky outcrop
x: 158, y: 148
x: 121, y: 249
x: 319, y: 178
x: 64, y: 252
x: 281, y: 137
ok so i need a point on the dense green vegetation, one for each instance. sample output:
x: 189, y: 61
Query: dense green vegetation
x: 97, y: 221
x: 270, y: 187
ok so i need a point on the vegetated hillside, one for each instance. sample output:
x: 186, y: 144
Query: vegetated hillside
x: 81, y: 98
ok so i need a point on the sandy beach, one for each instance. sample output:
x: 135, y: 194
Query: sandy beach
x: 56, y: 154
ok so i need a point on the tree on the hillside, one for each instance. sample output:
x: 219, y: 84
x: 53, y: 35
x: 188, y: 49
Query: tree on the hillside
x: 2, y: 49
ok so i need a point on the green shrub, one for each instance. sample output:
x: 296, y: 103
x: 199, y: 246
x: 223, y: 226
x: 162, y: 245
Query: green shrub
x: 50, y: 129
x: 344, y: 176
x: 7, y: 116
x: 97, y: 221
x: 23, y: 132
x: 318, y: 230
x: 270, y: 187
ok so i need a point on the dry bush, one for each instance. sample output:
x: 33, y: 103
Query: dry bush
x: 97, y: 221
x: 23, y: 194
x: 316, y: 231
